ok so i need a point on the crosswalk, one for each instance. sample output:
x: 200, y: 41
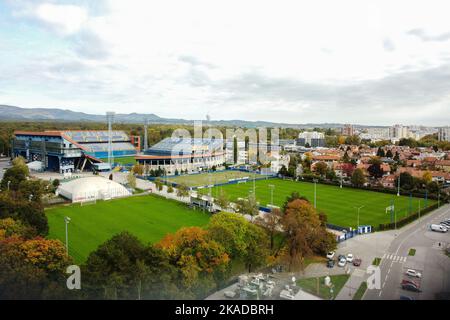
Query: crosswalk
x: 394, y: 258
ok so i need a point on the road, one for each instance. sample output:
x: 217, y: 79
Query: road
x: 429, y: 259
x: 4, y: 163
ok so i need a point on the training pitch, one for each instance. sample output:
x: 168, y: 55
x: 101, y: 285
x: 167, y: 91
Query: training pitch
x: 148, y: 217
x: 205, y: 179
x: 338, y: 204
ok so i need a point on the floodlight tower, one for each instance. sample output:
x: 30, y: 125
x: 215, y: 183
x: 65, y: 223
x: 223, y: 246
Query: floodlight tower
x: 208, y: 122
x: 145, y: 134
x: 110, y: 119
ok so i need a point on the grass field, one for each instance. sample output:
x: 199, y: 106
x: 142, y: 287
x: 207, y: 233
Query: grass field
x: 125, y: 160
x: 338, y: 204
x: 312, y: 284
x: 203, y: 179
x: 148, y: 217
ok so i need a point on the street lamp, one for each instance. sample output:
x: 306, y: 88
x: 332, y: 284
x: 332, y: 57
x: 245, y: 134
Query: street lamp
x: 66, y: 221
x: 359, y: 208
x: 271, y: 186
x: 398, y: 187
x: 9, y: 182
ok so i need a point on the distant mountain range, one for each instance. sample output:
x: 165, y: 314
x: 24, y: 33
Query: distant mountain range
x: 12, y: 113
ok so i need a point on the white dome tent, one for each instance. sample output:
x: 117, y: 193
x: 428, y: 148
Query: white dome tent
x: 92, y: 188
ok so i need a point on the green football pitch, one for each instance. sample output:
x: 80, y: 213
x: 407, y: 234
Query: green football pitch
x: 338, y: 204
x: 204, y: 179
x: 124, y: 160
x: 149, y: 218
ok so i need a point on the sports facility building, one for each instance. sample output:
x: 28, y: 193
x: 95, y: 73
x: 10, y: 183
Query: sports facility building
x: 92, y: 189
x: 68, y: 151
x: 181, y: 154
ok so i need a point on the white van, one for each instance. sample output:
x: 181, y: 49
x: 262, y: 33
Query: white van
x: 438, y: 228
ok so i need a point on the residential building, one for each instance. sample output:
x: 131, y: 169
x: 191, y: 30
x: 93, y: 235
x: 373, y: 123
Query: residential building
x: 312, y: 138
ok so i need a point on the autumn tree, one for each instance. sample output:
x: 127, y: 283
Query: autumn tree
x: 321, y: 168
x: 305, y: 233
x: 32, y: 268
x: 241, y: 239
x: 358, y: 178
x: 182, y: 190
x: 200, y: 261
x: 131, y: 180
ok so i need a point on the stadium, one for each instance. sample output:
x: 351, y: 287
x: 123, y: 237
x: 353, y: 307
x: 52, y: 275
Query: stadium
x: 183, y: 154
x: 70, y: 151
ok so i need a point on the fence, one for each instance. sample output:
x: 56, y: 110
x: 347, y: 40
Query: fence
x: 402, y: 222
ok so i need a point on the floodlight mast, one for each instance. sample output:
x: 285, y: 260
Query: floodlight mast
x: 145, y: 134
x: 110, y: 119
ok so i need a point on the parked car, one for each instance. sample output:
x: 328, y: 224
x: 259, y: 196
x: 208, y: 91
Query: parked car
x: 445, y: 224
x: 408, y: 281
x: 357, y: 262
x: 350, y: 258
x: 410, y: 287
x: 342, y: 262
x: 413, y: 273
x: 330, y: 255
x: 341, y: 256
x: 438, y: 228
x: 330, y: 263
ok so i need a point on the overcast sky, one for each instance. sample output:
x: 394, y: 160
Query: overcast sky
x: 366, y: 62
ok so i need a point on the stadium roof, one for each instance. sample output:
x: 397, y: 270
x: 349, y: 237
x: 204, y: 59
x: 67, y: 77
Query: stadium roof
x: 185, y: 146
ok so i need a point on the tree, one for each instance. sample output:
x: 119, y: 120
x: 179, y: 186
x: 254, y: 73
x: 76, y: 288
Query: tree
x: 293, y: 196
x: 406, y: 181
x: 199, y: 259
x: 304, y: 232
x: 248, y: 206
x: 381, y: 153
x: 271, y: 222
x: 427, y: 177
x: 182, y: 190
x: 170, y: 189
x: 32, y: 268
x: 321, y: 168
x: 283, y: 171
x: 15, y: 175
x: 346, y: 158
x: 138, y: 169
x: 348, y: 169
x: 358, y: 178
x: 240, y: 238
x: 375, y: 171
x: 389, y: 154
x: 131, y: 179
x: 158, y: 184
x: 113, y: 266
x: 56, y: 183
x: 15, y: 228
x: 222, y: 199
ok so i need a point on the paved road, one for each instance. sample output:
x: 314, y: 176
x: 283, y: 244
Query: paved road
x: 4, y: 163
x: 429, y: 259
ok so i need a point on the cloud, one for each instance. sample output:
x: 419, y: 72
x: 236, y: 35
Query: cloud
x: 291, y: 61
x: 424, y: 36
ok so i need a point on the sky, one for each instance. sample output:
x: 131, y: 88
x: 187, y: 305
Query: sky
x: 362, y: 62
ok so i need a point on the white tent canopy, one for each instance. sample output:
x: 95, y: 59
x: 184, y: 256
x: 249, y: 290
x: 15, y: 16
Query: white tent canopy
x: 35, y: 166
x: 92, y: 188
